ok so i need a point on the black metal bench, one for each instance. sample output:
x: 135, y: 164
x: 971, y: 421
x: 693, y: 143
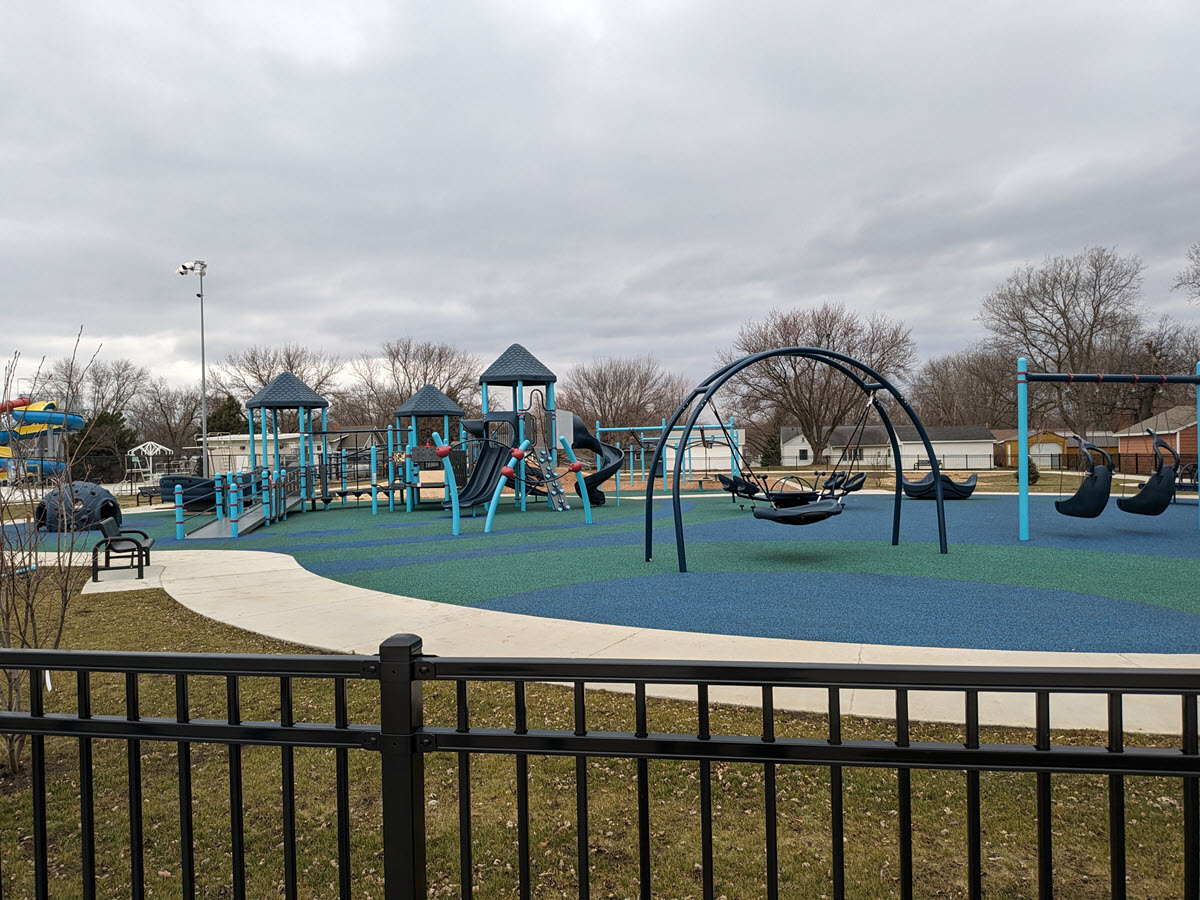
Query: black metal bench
x: 151, y: 492
x: 121, y: 544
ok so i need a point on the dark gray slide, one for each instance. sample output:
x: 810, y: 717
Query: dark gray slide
x: 608, y: 460
x: 482, y: 480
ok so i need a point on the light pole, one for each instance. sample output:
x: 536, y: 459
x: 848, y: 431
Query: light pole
x: 198, y: 267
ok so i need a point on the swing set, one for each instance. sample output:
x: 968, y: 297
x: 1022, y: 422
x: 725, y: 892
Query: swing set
x: 1092, y: 496
x: 792, y: 500
x: 802, y: 511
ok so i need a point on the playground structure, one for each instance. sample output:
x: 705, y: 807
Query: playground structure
x: 1091, y: 498
x: 78, y: 506
x: 31, y: 439
x: 814, y: 510
x: 507, y: 449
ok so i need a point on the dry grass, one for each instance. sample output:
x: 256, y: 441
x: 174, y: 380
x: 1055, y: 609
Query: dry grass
x: 150, y: 620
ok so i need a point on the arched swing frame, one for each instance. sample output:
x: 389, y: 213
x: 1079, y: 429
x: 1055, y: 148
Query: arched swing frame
x: 858, y: 372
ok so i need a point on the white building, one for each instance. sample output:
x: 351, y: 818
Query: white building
x: 956, y: 446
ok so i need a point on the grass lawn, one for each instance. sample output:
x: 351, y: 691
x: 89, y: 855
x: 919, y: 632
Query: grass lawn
x: 150, y: 620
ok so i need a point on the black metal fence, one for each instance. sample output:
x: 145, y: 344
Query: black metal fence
x: 398, y: 735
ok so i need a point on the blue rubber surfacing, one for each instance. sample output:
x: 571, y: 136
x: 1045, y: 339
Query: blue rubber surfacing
x: 871, y: 607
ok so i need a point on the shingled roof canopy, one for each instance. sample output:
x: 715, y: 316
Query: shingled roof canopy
x: 517, y: 364
x: 429, y: 401
x: 286, y: 391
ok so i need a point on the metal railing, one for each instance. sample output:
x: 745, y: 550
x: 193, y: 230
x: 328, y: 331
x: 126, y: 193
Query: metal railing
x: 403, y: 739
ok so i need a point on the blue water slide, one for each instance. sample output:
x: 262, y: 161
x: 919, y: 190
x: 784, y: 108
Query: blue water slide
x: 70, y: 421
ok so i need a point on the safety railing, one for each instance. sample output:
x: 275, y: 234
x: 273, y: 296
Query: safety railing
x: 394, y: 726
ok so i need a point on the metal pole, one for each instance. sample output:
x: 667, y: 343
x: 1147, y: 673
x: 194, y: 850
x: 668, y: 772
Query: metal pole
x: 1022, y: 450
x: 203, y: 388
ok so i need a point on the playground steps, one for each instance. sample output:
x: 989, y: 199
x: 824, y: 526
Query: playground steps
x: 251, y: 519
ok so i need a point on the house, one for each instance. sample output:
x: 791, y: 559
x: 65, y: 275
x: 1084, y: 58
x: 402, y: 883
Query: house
x: 956, y: 446
x: 794, y: 448
x: 1176, y: 426
x: 1049, y: 448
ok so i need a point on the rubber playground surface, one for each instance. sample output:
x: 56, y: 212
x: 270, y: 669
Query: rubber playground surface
x: 1119, y: 583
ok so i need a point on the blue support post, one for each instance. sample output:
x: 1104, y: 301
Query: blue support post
x: 500, y: 485
x: 263, y: 429
x: 250, y: 417
x: 300, y: 425
x: 374, y: 481
x: 553, y: 439
x: 451, y: 484
x: 518, y: 404
x: 391, y: 469
x: 580, y: 479
x: 324, y: 447
x: 275, y: 429
x: 266, y: 496
x: 303, y: 490
x: 665, y: 444
x: 179, y: 512
x: 235, y: 504
x: 1022, y: 450
x: 483, y: 396
x: 281, y: 493
x: 219, y: 496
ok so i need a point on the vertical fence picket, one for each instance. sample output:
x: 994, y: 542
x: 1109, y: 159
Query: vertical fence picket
x: 643, y: 791
x: 520, y: 727
x: 1044, y: 804
x: 904, y: 799
x: 187, y: 846
x: 1116, y: 800
x: 837, y: 829
x: 237, y: 835
x: 37, y: 777
x: 87, y: 790
x: 133, y: 750
x: 342, y: 763
x: 974, y: 811
x: 581, y: 799
x: 287, y: 765
x: 770, y: 796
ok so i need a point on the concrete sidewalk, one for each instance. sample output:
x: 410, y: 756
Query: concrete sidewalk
x: 271, y: 594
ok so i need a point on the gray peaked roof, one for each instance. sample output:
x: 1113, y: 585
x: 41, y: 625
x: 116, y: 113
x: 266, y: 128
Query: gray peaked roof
x: 517, y: 364
x: 286, y: 391
x: 429, y: 401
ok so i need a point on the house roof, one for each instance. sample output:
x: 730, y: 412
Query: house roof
x: 286, y: 391
x: 1174, y: 420
x: 429, y: 401
x: 877, y: 436
x: 517, y: 364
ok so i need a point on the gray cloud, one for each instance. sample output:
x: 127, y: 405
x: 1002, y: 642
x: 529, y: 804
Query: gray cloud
x: 585, y: 177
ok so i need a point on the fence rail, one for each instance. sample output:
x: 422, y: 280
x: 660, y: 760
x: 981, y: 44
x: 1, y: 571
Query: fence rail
x: 400, y: 734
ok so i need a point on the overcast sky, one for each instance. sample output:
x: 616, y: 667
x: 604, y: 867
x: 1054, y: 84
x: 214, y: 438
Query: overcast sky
x: 585, y: 178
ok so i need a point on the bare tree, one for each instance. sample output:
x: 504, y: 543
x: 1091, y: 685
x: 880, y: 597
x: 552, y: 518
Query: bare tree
x: 621, y: 390
x: 379, y: 383
x: 98, y: 385
x: 1083, y: 314
x: 166, y: 414
x: 1189, y: 278
x: 37, y: 579
x: 976, y: 386
x: 245, y: 372
x: 807, y: 393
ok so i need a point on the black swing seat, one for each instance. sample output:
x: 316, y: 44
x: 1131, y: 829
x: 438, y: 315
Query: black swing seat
x: 925, y: 489
x: 1159, y: 490
x: 800, y: 515
x: 1091, y: 498
x: 740, y: 487
x: 1155, y: 495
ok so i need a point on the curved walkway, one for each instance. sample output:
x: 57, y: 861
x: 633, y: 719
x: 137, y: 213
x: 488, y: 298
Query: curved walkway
x: 271, y: 594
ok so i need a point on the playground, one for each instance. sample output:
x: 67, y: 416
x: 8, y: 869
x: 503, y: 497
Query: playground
x: 488, y: 520
x: 1119, y: 585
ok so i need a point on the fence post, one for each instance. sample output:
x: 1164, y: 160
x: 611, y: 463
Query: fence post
x: 403, y: 768
x: 178, y: 512
x: 217, y: 488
